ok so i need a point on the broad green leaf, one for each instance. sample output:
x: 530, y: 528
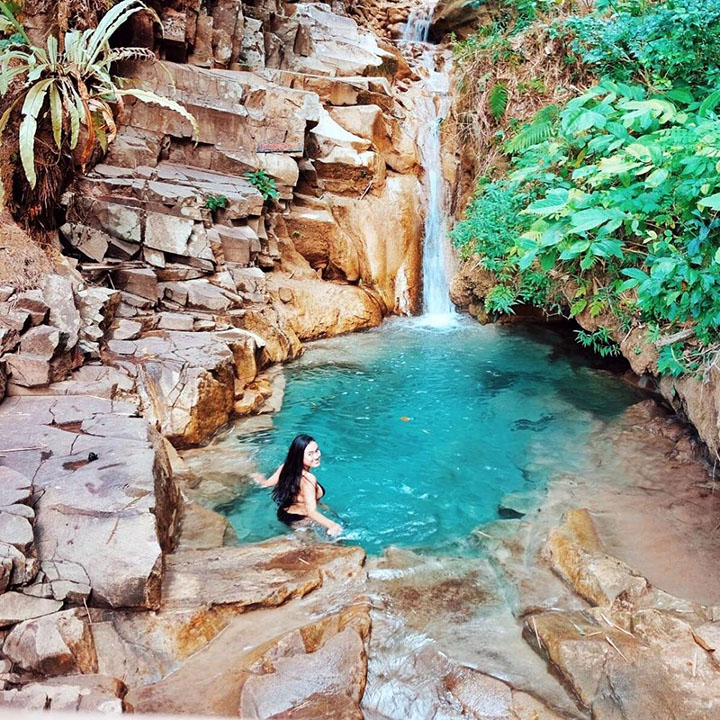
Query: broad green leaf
x: 575, y: 250
x: 712, y: 202
x: 31, y: 108
x: 555, y: 201
x: 577, y: 307
x: 717, y: 256
x: 585, y: 220
x: 615, y: 165
x: 657, y: 177
x: 56, y: 114
x: 710, y: 102
x: 635, y: 273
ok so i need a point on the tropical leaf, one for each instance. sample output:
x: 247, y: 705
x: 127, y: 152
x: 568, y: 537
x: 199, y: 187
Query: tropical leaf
x: 530, y: 135
x: 31, y: 108
x: 150, y: 97
x: 498, y: 99
x: 56, y: 114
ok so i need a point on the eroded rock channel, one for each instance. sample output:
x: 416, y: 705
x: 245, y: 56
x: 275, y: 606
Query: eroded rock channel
x: 160, y: 313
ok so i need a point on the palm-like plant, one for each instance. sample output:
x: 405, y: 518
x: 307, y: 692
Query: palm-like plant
x: 74, y: 84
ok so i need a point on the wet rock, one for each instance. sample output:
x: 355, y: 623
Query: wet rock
x: 641, y: 666
x: 97, y: 693
x: 487, y: 698
x: 578, y: 556
x: 56, y: 644
x: 253, y: 641
x: 260, y: 574
x: 16, y: 607
x: 203, y: 529
x: 326, y: 679
x: 517, y: 505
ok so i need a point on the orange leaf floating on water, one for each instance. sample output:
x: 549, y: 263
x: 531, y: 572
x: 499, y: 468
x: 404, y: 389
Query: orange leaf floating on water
x: 405, y: 418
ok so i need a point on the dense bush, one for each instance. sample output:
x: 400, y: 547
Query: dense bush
x: 671, y: 42
x: 619, y: 203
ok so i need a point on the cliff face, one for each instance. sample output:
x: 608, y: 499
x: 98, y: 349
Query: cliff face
x: 302, y: 96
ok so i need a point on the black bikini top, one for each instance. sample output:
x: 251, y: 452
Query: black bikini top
x: 322, y: 490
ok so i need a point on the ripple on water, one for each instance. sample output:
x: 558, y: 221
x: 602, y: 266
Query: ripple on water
x: 423, y: 429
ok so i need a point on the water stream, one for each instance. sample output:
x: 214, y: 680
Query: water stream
x: 432, y: 107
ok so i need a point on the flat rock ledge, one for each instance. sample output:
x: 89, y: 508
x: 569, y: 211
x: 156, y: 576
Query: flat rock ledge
x: 636, y: 652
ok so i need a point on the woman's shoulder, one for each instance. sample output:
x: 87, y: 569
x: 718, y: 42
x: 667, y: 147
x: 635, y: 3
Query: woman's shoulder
x: 309, y: 477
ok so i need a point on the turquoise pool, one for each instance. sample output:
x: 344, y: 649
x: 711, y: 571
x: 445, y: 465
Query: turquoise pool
x: 424, y: 429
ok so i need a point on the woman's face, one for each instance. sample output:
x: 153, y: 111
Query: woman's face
x: 311, y: 458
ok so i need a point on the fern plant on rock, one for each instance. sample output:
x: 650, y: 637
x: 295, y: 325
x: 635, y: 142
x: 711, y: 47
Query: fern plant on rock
x: 60, y: 102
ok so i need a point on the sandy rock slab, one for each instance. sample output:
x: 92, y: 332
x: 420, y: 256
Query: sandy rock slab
x: 639, y: 652
x: 97, y: 693
x: 203, y: 592
x: 101, y: 481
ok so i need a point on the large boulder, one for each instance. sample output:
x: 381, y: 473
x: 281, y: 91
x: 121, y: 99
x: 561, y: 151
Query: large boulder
x: 55, y: 644
x: 186, y: 383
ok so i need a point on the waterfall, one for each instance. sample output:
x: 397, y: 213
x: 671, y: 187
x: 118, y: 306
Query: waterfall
x: 432, y: 108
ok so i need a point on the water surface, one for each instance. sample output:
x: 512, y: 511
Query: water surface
x: 424, y: 429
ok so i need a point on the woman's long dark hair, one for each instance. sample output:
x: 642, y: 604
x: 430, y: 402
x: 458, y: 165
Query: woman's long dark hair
x: 288, y: 485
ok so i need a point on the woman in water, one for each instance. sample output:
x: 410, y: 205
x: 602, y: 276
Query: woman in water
x: 295, y: 489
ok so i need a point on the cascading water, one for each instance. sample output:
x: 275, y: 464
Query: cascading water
x: 432, y: 108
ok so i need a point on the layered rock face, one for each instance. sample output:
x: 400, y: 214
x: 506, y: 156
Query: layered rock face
x: 299, y: 96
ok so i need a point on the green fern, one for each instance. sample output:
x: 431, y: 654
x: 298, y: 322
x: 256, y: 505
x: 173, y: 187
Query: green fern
x: 539, y: 129
x: 498, y: 99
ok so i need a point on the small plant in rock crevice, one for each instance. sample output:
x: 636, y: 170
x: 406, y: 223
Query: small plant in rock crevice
x: 215, y: 202
x: 264, y: 183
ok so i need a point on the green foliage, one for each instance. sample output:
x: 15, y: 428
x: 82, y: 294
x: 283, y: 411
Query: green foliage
x: 540, y: 128
x: 74, y: 86
x: 498, y: 99
x: 666, y: 43
x: 215, y: 202
x: 598, y: 341
x: 623, y: 199
x: 263, y: 182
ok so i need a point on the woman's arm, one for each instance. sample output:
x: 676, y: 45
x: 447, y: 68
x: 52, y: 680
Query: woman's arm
x: 308, y: 496
x: 260, y: 479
